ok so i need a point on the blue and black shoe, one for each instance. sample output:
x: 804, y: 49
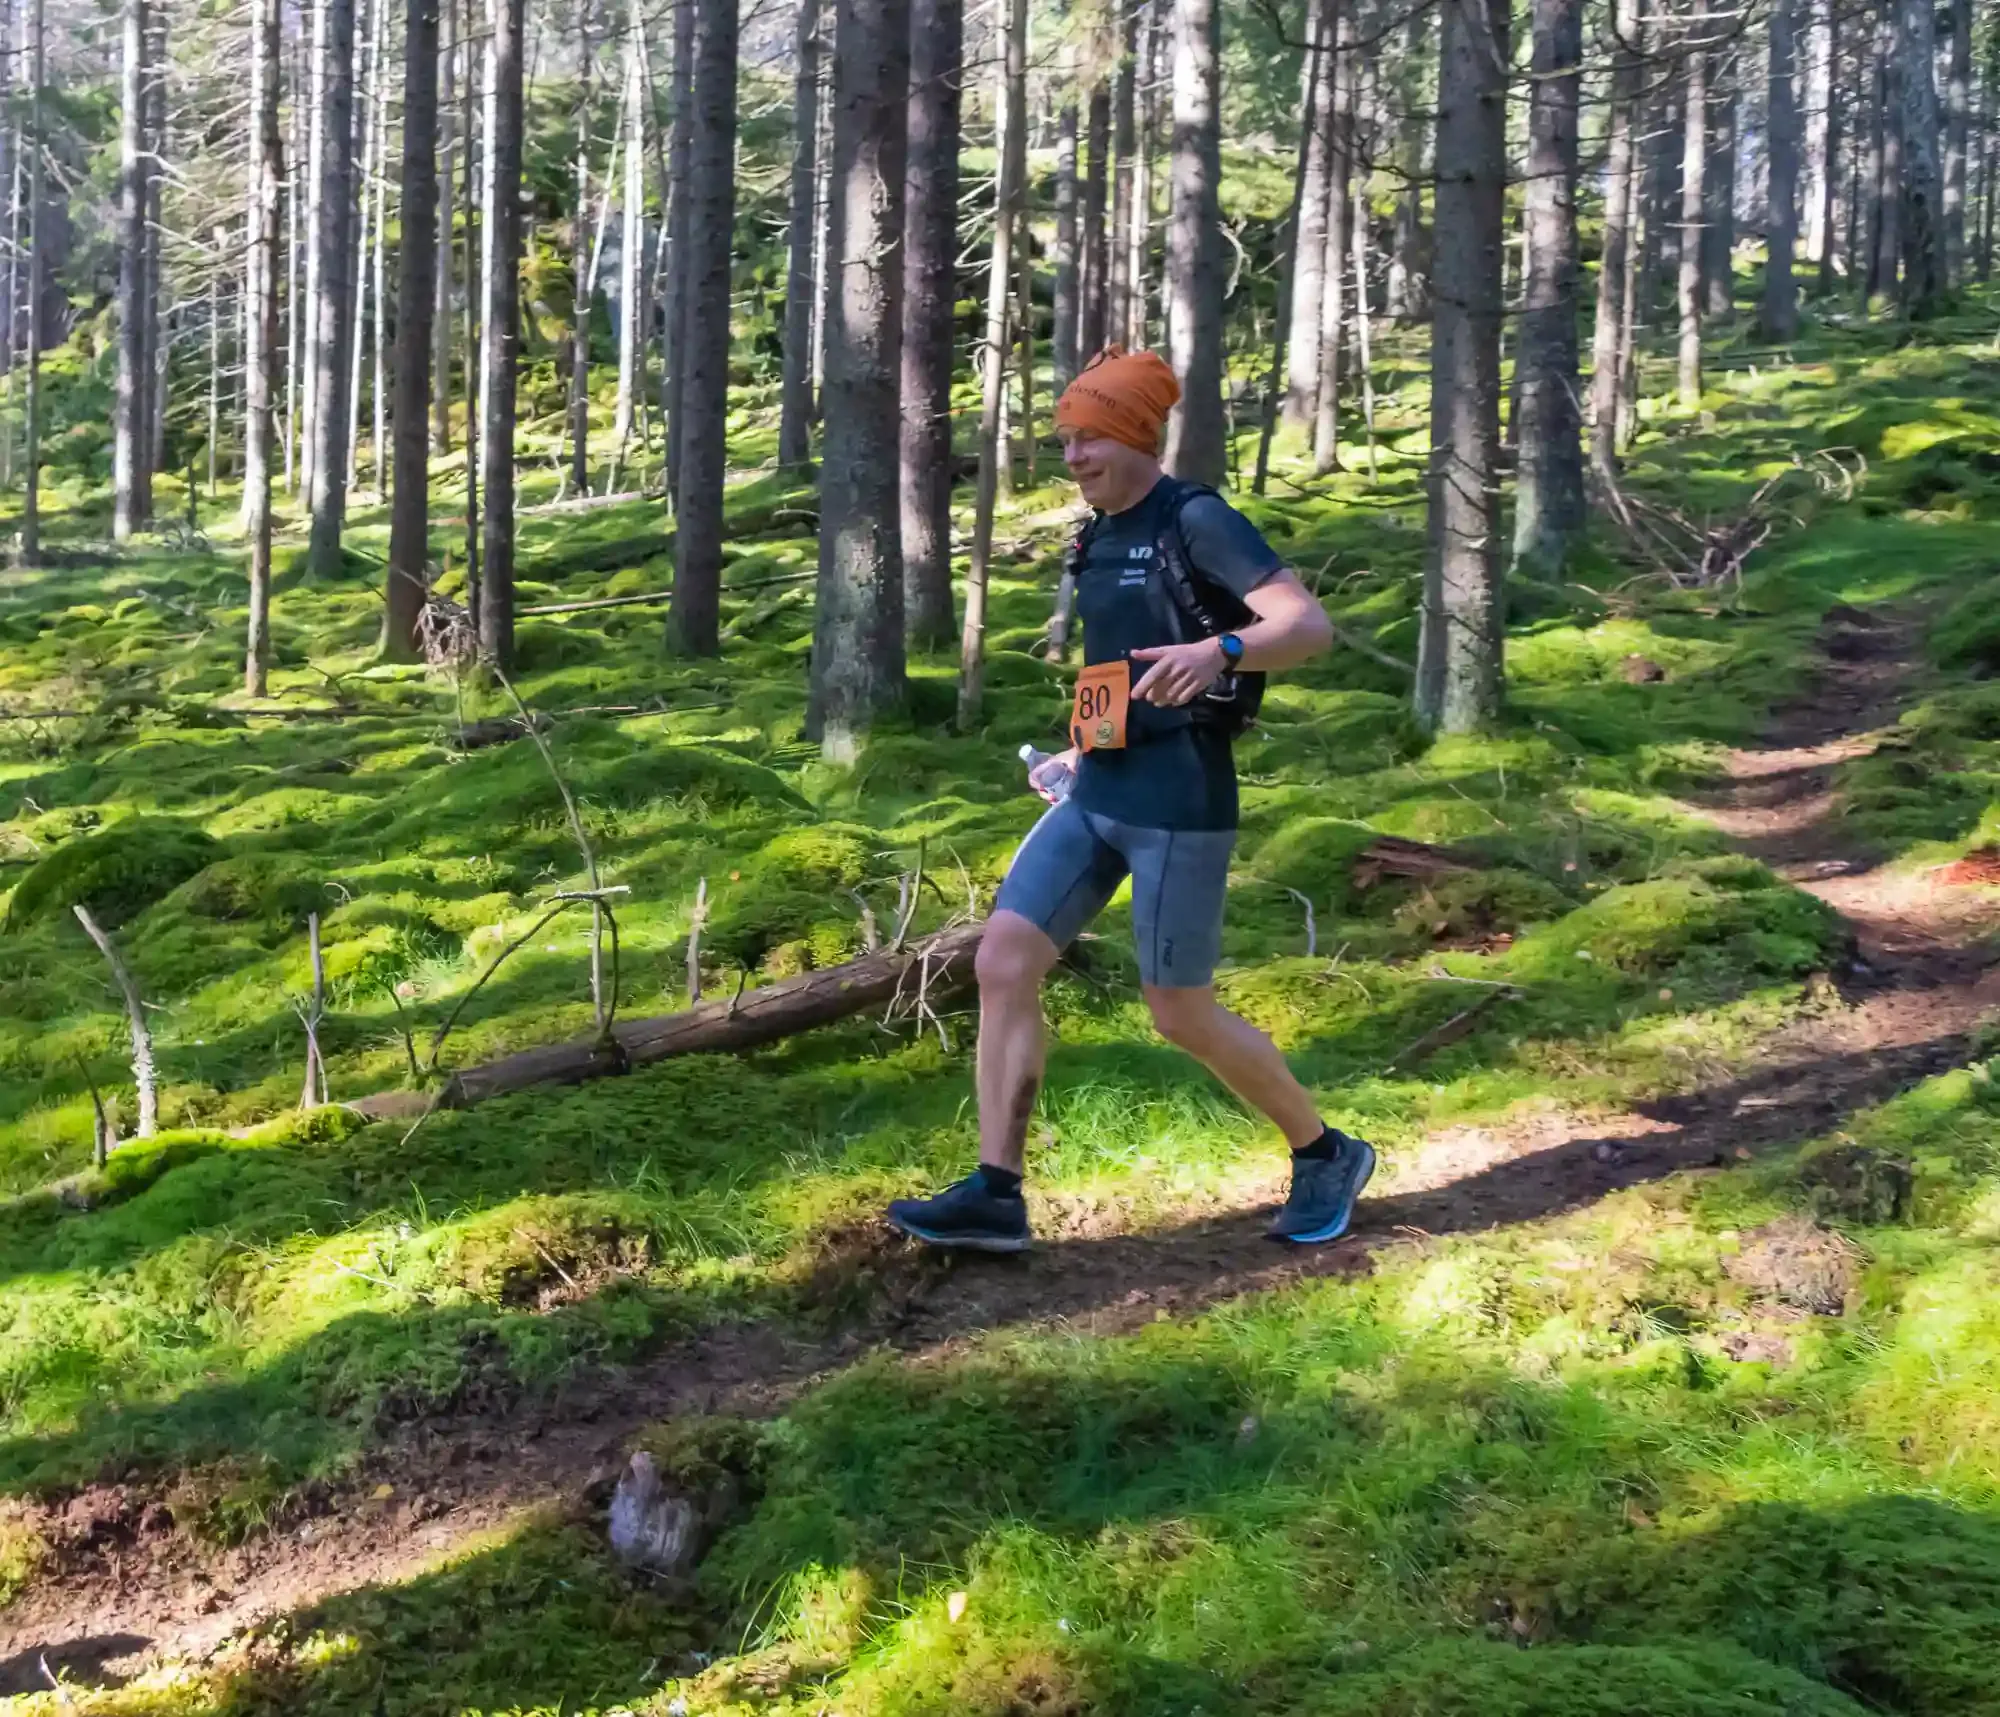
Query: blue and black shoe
x: 968, y: 1215
x: 1324, y: 1192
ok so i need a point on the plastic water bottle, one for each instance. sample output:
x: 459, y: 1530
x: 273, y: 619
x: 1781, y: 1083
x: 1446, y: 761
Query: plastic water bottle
x: 1058, y: 782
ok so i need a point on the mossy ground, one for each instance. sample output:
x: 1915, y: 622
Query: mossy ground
x: 1511, y: 1472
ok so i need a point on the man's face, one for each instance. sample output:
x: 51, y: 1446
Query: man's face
x: 1110, y: 474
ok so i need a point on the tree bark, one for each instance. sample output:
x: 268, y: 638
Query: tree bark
x: 1609, y: 352
x: 1197, y: 438
x: 261, y: 358
x: 704, y: 393
x: 1957, y: 137
x: 1124, y: 111
x: 441, y: 253
x: 332, y: 306
x: 1826, y: 146
x: 29, y: 550
x: 795, y: 396
x: 364, y: 223
x: 143, y: 1074
x: 128, y: 444
x: 1779, y: 320
x: 680, y: 141
x: 153, y: 398
x: 1888, y: 190
x: 1333, y: 271
x: 416, y: 299
x: 476, y: 112
x: 502, y: 335
x: 580, y: 281
x: 1139, y: 240
x: 1011, y: 148
x: 1694, y: 164
x: 1309, y: 231
x: 1406, y: 301
x: 1096, y: 253
x: 1924, y: 277
x: 632, y: 242
x: 930, y: 296
x: 857, y: 655
x: 1718, y: 233
x: 1064, y: 299
x: 1549, y: 504
x: 1458, y: 681
x: 1281, y: 319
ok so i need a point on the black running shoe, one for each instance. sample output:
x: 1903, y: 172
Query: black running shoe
x: 1324, y: 1191
x: 965, y: 1215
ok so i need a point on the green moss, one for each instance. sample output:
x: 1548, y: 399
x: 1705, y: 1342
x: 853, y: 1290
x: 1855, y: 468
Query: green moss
x: 115, y: 873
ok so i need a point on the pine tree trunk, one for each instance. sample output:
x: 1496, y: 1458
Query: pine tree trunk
x: 1096, y: 253
x: 502, y: 334
x: 1957, y: 138
x: 1281, y: 320
x: 1024, y: 322
x: 680, y: 193
x: 332, y: 306
x: 1124, y: 121
x: 153, y: 399
x: 1718, y: 233
x: 476, y: 123
x: 1694, y: 164
x: 1549, y: 503
x: 580, y: 282
x: 1064, y: 299
x: 379, y: 390
x: 930, y: 295
x: 261, y: 357
x: 704, y: 390
x: 857, y: 652
x: 1458, y: 685
x: 447, y: 214
x: 1333, y: 270
x: 1826, y: 148
x: 130, y: 423
x: 315, y: 101
x: 416, y: 299
x: 1890, y: 248
x: 295, y: 321
x: 1659, y: 196
x: 1011, y: 147
x: 1197, y: 441
x: 29, y: 549
x: 1779, y: 320
x: 1924, y: 278
x: 1139, y: 240
x: 632, y: 242
x: 1309, y: 231
x: 364, y: 225
x: 795, y: 397
x: 1406, y: 302
x: 1609, y: 353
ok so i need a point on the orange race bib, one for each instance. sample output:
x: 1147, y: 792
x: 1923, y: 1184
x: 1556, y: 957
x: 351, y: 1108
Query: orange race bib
x: 1103, y: 696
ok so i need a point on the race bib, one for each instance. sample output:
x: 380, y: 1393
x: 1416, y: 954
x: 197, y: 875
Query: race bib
x: 1097, y: 718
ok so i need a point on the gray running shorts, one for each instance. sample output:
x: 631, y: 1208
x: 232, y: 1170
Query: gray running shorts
x: 1073, y: 861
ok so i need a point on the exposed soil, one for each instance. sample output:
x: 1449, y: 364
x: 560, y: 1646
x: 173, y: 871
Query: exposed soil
x: 128, y: 1586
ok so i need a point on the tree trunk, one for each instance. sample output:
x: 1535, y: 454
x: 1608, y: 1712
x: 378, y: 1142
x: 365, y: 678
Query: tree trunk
x: 1718, y: 233
x: 704, y: 390
x: 503, y: 334
x: 1333, y: 271
x: 1609, y: 352
x: 1957, y: 135
x: 153, y: 398
x: 477, y: 108
x: 416, y: 300
x: 1779, y: 320
x: 1406, y: 266
x: 365, y: 219
x: 930, y: 295
x: 1011, y: 148
x: 632, y: 242
x: 579, y: 254
x: 795, y: 398
x: 1659, y: 197
x: 128, y: 445
x: 1118, y: 274
x: 1281, y: 320
x: 1309, y: 231
x: 1197, y: 439
x: 1924, y: 279
x: 295, y: 322
x: 29, y: 551
x: 1889, y: 246
x: 857, y: 652
x: 1458, y: 682
x: 1064, y: 298
x: 261, y: 357
x: 1139, y: 241
x: 332, y: 305
x: 1096, y: 254
x: 680, y: 194
x: 1826, y: 147
x: 1694, y: 164
x: 1549, y: 502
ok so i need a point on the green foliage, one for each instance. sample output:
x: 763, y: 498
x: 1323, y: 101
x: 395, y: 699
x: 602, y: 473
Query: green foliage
x: 115, y: 873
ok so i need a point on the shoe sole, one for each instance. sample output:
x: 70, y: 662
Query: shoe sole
x: 962, y: 1242
x: 1334, y: 1230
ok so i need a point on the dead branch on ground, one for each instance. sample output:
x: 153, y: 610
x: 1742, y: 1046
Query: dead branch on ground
x: 143, y: 1073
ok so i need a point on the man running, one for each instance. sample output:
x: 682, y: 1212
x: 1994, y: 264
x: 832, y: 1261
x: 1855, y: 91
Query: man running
x: 1184, y: 607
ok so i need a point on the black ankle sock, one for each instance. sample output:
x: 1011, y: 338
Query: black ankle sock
x: 1001, y: 1183
x: 1323, y: 1149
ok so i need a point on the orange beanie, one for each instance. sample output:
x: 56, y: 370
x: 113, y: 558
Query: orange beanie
x: 1123, y: 395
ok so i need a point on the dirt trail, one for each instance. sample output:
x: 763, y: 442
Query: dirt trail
x: 130, y: 1589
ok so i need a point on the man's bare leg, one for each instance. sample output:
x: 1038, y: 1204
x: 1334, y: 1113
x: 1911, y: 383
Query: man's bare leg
x: 1014, y: 957
x: 1238, y: 1054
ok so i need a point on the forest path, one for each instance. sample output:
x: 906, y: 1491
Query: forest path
x: 126, y: 1589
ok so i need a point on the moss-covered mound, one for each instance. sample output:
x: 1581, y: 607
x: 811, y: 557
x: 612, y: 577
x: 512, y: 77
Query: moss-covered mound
x: 116, y: 872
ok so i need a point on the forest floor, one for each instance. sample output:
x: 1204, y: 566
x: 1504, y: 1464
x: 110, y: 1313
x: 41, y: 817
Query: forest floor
x: 1657, y: 1376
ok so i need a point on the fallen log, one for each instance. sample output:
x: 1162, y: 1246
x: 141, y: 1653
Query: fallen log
x: 931, y: 968
x: 1391, y: 855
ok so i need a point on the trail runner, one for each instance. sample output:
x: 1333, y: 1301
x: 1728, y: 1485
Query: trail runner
x: 1185, y: 608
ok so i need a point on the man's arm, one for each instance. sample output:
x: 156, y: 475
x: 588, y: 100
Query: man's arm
x: 1290, y: 628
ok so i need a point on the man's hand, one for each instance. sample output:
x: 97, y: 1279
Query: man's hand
x: 1180, y: 672
x: 1049, y: 766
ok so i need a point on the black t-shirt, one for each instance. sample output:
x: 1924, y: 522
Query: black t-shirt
x: 1171, y: 774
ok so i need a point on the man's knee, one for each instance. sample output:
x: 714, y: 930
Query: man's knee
x: 1185, y: 1018
x: 1014, y: 956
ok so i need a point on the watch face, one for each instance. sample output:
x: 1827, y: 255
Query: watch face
x: 1232, y: 647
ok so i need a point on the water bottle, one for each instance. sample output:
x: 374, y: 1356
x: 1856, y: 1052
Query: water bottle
x: 1058, y: 781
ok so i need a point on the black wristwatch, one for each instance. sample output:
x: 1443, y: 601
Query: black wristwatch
x: 1232, y: 649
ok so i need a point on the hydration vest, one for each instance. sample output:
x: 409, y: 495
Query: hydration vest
x: 1181, y: 606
